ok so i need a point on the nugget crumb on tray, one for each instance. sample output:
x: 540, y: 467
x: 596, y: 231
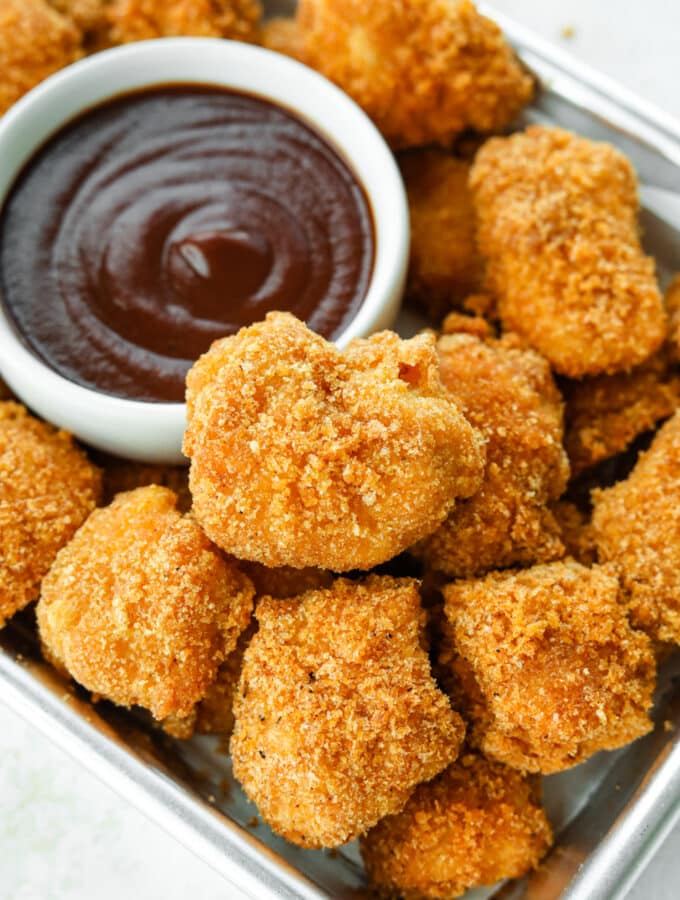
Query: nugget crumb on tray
x: 423, y: 71
x: 139, y: 20
x: 47, y: 489
x: 304, y: 455
x: 35, y: 41
x: 509, y: 395
x: 140, y: 607
x: 546, y: 665
x: 338, y: 717
x: 473, y: 825
x: 557, y: 225
x: 637, y: 532
x: 444, y: 266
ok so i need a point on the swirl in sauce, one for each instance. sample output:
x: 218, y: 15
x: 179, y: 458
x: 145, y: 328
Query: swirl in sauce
x: 162, y: 220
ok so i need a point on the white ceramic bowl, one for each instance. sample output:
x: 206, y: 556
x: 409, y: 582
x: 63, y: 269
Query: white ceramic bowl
x: 153, y: 432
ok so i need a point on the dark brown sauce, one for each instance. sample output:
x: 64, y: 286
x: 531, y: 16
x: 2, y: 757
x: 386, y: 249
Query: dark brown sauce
x: 162, y: 220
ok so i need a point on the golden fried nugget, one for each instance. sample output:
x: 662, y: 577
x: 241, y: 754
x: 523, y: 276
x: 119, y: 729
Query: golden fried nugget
x: 509, y: 395
x: 139, y: 20
x: 546, y: 665
x: 35, y: 41
x: 88, y: 15
x: 604, y: 414
x: 444, y: 266
x: 423, y: 70
x: 47, y: 489
x: 576, y: 532
x: 672, y: 303
x: 473, y: 825
x: 338, y: 717
x: 557, y: 225
x: 637, y: 532
x: 283, y: 36
x: 122, y: 475
x: 141, y: 608
x: 304, y: 455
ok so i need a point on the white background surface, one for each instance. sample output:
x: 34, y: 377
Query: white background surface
x: 63, y: 836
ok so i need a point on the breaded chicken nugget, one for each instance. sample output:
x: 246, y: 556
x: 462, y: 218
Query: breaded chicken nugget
x: 140, y: 608
x: 35, y: 41
x: 139, y: 20
x: 546, y: 665
x: 285, y: 581
x: 604, y: 414
x: 338, y: 717
x: 637, y: 531
x: 47, y: 489
x: 303, y: 455
x: 473, y: 825
x: 91, y: 17
x: 283, y: 36
x: 672, y: 302
x: 444, y: 266
x: 423, y: 70
x: 509, y: 395
x: 557, y: 225
x: 576, y: 532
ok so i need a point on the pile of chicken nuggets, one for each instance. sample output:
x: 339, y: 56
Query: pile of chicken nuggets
x: 240, y: 598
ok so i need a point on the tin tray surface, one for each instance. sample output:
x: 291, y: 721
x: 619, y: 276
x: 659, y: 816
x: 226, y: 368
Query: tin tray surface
x: 609, y: 814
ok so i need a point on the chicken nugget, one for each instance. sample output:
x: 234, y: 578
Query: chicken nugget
x: 576, y: 532
x: 90, y: 16
x: 423, y: 70
x: 546, y: 665
x: 444, y: 265
x: 672, y: 302
x: 338, y: 717
x: 509, y: 395
x: 285, y: 581
x: 48, y: 487
x: 304, y: 455
x: 604, y: 414
x: 35, y: 41
x: 557, y: 224
x: 473, y: 825
x: 139, y: 20
x: 140, y: 607
x: 283, y: 36
x: 637, y: 532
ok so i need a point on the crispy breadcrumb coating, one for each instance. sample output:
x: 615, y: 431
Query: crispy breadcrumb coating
x: 122, y: 475
x: 473, y: 825
x: 423, y: 70
x: 139, y: 20
x: 604, y: 414
x: 637, y: 531
x: 338, y: 717
x: 546, y: 665
x: 47, y: 489
x: 576, y: 532
x: 557, y: 225
x: 140, y: 608
x: 672, y: 302
x: 303, y: 455
x: 444, y: 265
x: 35, y: 41
x: 283, y: 36
x: 89, y: 16
x: 508, y: 394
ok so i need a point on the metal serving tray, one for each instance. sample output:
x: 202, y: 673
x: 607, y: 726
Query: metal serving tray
x: 609, y: 814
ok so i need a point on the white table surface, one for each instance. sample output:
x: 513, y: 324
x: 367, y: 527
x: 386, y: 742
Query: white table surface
x: 63, y: 835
